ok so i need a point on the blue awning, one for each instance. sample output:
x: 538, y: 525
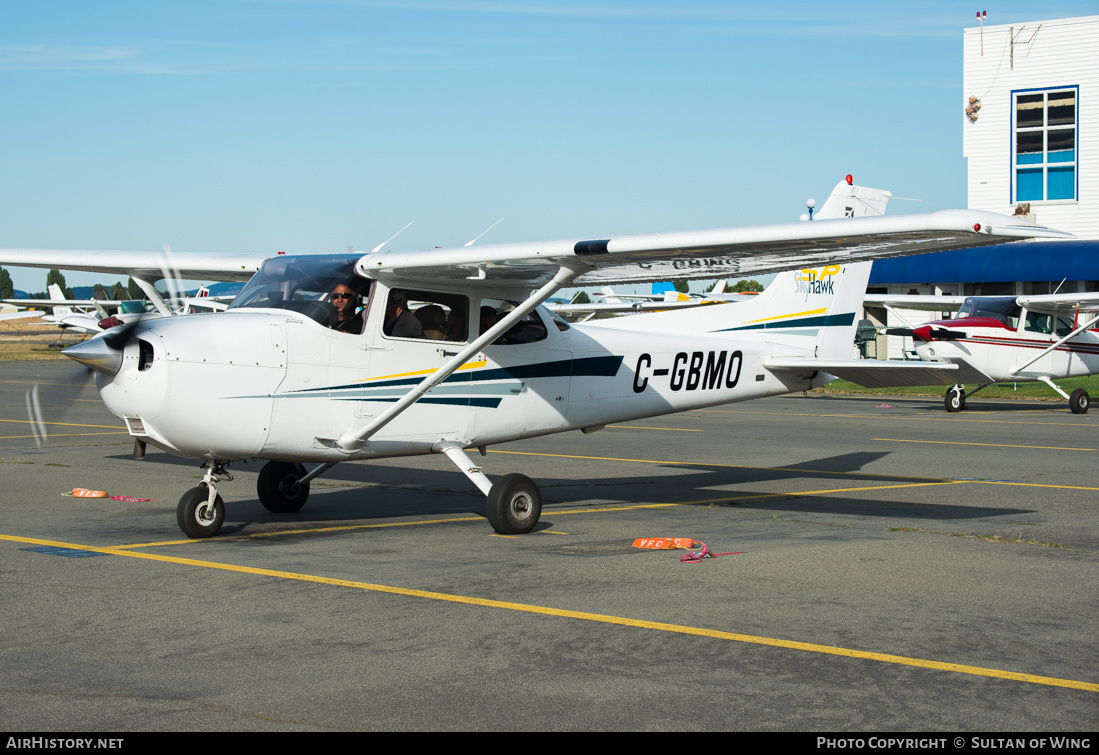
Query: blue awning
x: 1019, y: 261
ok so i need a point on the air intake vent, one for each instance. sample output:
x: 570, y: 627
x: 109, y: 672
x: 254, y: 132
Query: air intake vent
x: 135, y: 426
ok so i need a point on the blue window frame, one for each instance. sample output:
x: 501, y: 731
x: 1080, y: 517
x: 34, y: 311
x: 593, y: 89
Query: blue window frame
x: 1043, y: 144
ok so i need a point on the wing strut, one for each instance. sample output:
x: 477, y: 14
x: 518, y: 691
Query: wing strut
x: 1082, y: 328
x: 353, y: 441
x: 154, y: 296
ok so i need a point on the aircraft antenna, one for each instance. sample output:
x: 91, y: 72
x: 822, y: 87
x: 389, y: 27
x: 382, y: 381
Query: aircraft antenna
x: 470, y: 243
x: 378, y: 248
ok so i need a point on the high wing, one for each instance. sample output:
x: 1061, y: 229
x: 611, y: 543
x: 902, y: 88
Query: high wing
x: 635, y: 306
x: 927, y: 302
x: 720, y: 253
x: 1060, y: 304
x: 150, y: 266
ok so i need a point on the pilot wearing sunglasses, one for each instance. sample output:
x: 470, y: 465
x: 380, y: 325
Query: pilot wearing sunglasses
x: 345, y: 300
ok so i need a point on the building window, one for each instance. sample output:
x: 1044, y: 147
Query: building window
x: 1044, y: 144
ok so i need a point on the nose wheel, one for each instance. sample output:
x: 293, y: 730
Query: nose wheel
x: 200, y: 512
x: 955, y: 399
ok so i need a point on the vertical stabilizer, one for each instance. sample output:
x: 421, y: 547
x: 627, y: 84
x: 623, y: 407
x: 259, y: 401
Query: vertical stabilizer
x: 811, y: 312
x: 56, y: 294
x: 850, y: 201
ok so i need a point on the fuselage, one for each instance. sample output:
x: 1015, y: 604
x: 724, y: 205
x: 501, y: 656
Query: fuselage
x: 272, y: 384
x: 999, y: 346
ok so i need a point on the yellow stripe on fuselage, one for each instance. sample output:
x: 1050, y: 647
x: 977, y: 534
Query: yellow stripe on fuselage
x: 820, y: 311
x: 466, y: 366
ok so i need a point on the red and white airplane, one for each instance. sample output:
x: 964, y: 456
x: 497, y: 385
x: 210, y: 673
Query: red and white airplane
x: 997, y: 339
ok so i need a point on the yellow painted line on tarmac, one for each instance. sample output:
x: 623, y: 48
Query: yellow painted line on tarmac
x: 337, y: 528
x: 639, y: 427
x: 65, y: 424
x: 722, y: 466
x: 994, y: 445
x: 894, y: 416
x: 61, y: 435
x: 585, y: 616
x: 925, y: 480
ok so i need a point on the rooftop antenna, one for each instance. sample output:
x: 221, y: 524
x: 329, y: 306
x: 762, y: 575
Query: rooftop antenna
x: 470, y: 243
x: 378, y: 248
x: 981, y: 16
x: 1012, y: 36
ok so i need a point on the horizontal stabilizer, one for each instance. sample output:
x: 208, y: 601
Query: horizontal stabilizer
x: 883, y: 373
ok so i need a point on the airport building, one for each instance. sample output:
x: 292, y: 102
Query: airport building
x: 1030, y: 133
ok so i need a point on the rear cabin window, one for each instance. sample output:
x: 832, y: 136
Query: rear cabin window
x: 426, y: 315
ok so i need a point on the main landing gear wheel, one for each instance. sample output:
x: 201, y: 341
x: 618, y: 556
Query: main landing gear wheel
x: 196, y: 516
x: 955, y: 399
x: 1079, y: 401
x: 514, y: 505
x: 278, y: 489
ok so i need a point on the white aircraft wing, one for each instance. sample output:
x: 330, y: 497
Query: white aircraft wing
x: 18, y: 315
x: 1060, y: 304
x: 928, y: 303
x: 105, y: 303
x: 637, y: 306
x: 720, y: 253
x: 881, y: 373
x: 149, y: 266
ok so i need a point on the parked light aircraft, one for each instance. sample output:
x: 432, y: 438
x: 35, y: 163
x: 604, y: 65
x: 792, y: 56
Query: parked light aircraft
x: 997, y: 339
x: 93, y: 316
x: 481, y: 362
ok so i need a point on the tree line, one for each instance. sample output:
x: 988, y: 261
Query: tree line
x: 116, y: 292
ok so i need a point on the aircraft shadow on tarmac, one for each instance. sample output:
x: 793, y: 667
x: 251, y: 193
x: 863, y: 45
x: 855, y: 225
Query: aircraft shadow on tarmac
x: 379, y: 491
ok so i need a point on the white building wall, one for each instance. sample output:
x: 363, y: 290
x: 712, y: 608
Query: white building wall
x: 1056, y: 53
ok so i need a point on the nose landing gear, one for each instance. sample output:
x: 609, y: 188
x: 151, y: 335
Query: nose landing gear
x: 201, y: 510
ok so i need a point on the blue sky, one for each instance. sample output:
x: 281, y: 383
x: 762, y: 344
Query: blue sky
x: 253, y: 126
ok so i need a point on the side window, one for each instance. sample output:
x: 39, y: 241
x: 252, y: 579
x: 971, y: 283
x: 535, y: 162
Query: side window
x: 528, y: 330
x: 427, y: 315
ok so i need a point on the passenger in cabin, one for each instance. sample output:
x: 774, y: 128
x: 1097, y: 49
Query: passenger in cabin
x: 433, y: 319
x: 349, y: 319
x: 488, y: 318
x: 399, y: 322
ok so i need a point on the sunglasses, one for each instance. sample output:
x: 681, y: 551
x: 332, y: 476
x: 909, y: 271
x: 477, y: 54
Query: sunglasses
x: 341, y: 296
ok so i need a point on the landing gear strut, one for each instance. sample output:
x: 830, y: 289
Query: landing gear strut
x: 201, y: 510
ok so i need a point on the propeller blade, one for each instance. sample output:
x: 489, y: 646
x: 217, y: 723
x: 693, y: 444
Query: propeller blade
x: 942, y: 334
x: 54, y: 400
x: 906, y: 332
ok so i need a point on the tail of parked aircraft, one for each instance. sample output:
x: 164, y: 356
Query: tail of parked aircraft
x: 56, y: 294
x: 850, y: 201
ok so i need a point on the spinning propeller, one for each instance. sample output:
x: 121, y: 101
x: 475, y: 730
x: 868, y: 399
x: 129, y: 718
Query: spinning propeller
x: 102, y: 353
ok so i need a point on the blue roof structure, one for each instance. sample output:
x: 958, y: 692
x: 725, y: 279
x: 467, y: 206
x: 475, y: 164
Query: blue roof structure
x: 1019, y: 261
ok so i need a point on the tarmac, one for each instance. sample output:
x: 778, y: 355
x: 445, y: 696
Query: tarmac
x: 896, y: 568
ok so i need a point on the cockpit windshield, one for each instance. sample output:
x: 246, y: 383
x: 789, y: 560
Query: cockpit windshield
x: 302, y: 284
x: 1002, y: 308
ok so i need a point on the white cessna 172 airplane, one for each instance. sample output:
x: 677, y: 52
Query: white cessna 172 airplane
x: 997, y: 339
x: 279, y: 376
